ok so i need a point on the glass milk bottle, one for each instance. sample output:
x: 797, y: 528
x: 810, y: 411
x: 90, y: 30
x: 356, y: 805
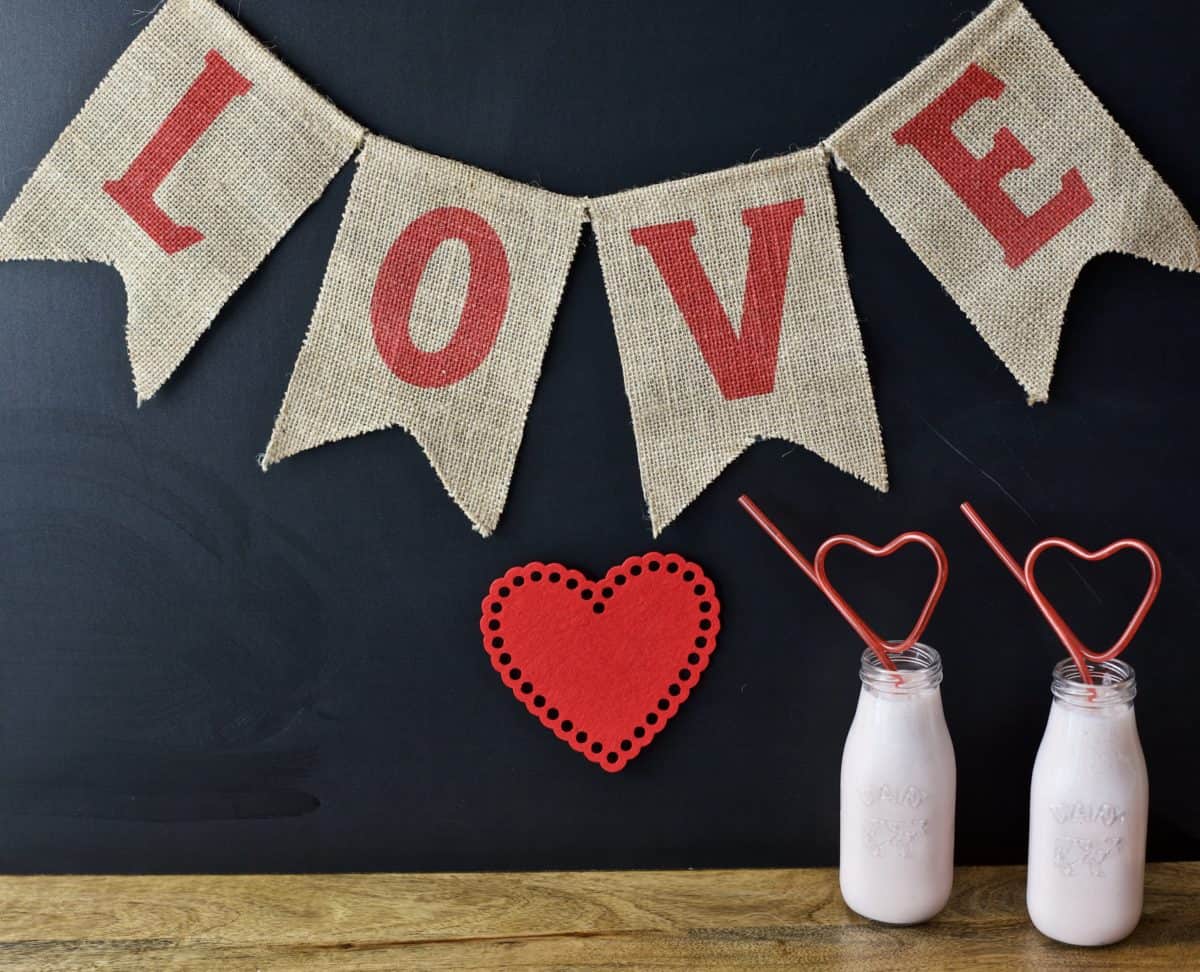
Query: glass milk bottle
x: 1087, y: 810
x: 897, y: 794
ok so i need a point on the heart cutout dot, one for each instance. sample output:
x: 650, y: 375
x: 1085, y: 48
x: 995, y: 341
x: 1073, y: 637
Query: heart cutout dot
x: 602, y: 664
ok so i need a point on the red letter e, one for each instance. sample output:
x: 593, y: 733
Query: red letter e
x: 977, y: 181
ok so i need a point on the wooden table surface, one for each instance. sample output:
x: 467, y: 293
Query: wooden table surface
x: 631, y: 919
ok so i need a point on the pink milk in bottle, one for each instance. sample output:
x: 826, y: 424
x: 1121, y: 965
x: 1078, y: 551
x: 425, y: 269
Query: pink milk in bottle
x: 897, y: 793
x: 1087, y: 810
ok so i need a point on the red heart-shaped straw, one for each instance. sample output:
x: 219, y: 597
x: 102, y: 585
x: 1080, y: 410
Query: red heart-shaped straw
x: 1079, y: 652
x: 1077, y: 649
x: 866, y: 632
x: 817, y: 574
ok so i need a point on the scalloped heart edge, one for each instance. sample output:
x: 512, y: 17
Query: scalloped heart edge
x: 562, y: 725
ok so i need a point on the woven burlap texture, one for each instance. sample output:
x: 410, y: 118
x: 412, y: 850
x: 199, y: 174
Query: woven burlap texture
x: 340, y: 387
x: 687, y: 432
x: 265, y: 160
x: 1019, y: 312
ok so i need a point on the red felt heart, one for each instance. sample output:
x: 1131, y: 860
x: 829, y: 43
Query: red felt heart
x: 603, y: 664
x: 1079, y: 651
x: 864, y: 629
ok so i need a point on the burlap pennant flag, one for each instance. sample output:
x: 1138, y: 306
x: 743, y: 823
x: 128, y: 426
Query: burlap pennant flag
x: 186, y: 166
x: 434, y: 316
x: 734, y: 322
x: 1005, y: 175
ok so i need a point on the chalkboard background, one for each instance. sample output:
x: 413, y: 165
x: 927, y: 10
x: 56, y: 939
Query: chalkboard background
x: 203, y: 667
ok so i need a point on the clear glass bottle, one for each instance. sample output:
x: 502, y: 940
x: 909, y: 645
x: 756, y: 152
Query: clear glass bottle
x: 897, y: 793
x: 1087, y: 810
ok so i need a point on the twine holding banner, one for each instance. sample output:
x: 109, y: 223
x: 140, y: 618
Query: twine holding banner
x: 189, y: 162
x: 942, y: 154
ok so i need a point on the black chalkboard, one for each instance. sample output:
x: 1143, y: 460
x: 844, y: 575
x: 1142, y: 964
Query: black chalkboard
x: 203, y: 667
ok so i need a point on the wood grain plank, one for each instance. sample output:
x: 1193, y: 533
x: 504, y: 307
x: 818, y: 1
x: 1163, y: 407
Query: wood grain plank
x: 671, y: 920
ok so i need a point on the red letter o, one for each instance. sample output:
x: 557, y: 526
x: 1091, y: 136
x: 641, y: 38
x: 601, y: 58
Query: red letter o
x: 482, y: 313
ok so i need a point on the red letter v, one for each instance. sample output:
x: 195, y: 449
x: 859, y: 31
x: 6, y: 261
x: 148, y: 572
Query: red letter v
x: 744, y: 362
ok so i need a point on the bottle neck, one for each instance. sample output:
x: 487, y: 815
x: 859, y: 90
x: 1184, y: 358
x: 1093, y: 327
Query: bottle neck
x: 918, y: 670
x: 1113, y: 686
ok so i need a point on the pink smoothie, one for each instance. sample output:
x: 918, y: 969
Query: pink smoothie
x: 1087, y: 818
x: 897, y: 800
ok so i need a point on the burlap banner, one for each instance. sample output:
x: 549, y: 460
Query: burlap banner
x: 1005, y: 175
x: 189, y: 162
x: 733, y: 316
x: 434, y: 316
x: 734, y: 322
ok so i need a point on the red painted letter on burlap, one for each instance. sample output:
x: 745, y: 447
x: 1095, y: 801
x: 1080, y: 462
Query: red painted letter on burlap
x: 482, y: 313
x: 977, y: 181
x: 210, y: 94
x: 743, y: 362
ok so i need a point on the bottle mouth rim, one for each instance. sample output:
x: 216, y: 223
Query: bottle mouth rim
x: 917, y: 668
x: 1113, y: 682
